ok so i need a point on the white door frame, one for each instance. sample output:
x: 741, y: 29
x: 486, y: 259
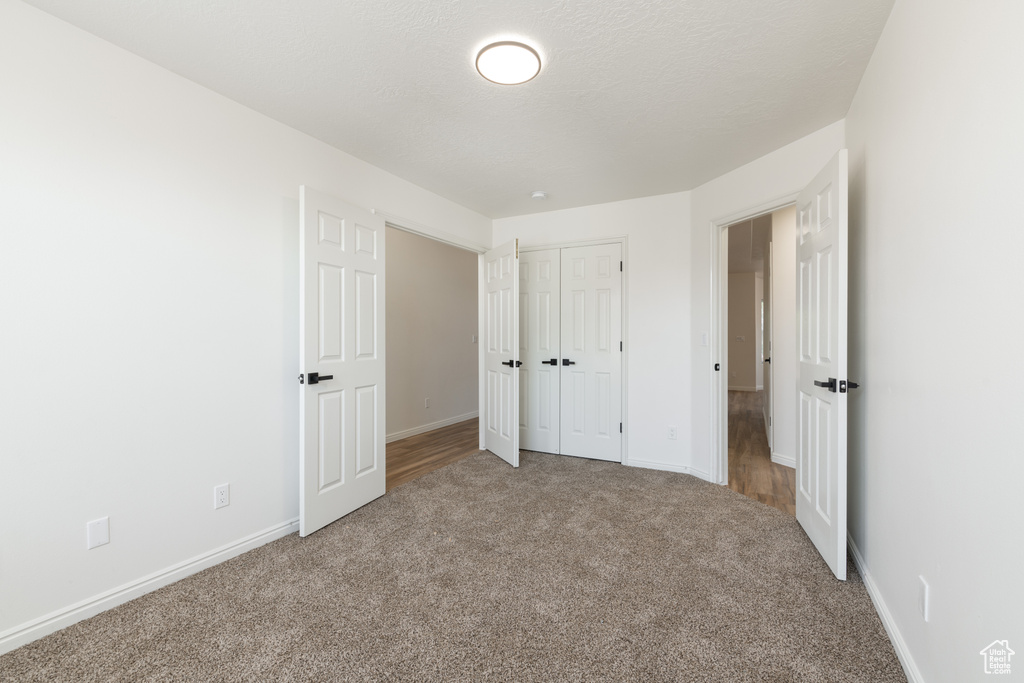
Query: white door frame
x: 623, y: 242
x: 719, y: 422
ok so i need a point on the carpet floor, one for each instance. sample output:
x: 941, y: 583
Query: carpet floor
x: 562, y: 570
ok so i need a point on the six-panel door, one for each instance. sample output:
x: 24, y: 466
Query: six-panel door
x: 821, y: 343
x: 342, y: 340
x: 591, y: 335
x: 539, y: 345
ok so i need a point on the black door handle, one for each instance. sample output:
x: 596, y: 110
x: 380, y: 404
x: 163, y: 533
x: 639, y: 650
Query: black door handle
x: 510, y: 363
x: 519, y: 363
x: 316, y: 378
x: 830, y: 384
x: 768, y: 359
x: 843, y: 384
x: 566, y: 361
x: 553, y: 361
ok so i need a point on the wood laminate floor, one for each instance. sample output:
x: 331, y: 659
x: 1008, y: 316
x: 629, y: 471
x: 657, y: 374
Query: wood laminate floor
x: 751, y: 470
x: 413, y: 457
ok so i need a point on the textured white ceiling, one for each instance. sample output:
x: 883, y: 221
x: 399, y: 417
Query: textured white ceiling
x: 636, y: 98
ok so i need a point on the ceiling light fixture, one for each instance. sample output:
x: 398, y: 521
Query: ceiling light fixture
x: 539, y: 194
x: 508, y: 62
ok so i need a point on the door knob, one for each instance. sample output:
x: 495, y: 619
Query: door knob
x: 553, y: 361
x: 566, y: 361
x: 768, y: 359
x: 510, y: 363
x: 316, y: 378
x: 830, y: 384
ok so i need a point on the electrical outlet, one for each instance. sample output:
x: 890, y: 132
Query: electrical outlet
x: 97, y: 533
x: 426, y: 403
x: 923, y: 597
x: 672, y: 433
x: 222, y: 496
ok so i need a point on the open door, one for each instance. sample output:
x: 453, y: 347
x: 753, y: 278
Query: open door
x: 822, y: 386
x: 501, y: 344
x: 540, y: 325
x: 341, y: 356
x: 766, y: 346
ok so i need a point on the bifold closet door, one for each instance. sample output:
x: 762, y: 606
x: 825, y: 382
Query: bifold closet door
x: 539, y: 339
x: 591, y: 345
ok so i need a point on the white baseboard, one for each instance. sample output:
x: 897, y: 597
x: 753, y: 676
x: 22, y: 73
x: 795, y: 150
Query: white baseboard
x: 62, y: 618
x: 785, y: 460
x: 700, y: 474
x: 895, y: 637
x: 732, y: 388
x: 422, y: 429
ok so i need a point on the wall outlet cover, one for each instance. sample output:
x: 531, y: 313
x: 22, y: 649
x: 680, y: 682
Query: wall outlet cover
x: 222, y: 496
x: 97, y: 532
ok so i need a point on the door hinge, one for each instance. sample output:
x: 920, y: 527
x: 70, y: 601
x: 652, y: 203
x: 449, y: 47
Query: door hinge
x: 769, y: 422
x: 620, y: 428
x: 620, y: 346
x: 620, y: 266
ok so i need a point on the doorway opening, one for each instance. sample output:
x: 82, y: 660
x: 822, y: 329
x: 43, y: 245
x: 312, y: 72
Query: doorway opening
x: 756, y: 335
x: 431, y: 382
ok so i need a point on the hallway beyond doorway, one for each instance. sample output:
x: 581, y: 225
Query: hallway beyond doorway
x: 751, y: 470
x: 410, y: 458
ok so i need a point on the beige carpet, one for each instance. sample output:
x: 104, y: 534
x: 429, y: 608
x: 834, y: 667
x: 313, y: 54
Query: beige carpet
x: 563, y: 570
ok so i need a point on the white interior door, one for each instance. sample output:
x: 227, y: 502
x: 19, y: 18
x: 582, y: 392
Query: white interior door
x: 821, y: 343
x: 591, y: 370
x: 539, y: 340
x: 766, y: 344
x: 341, y: 356
x: 501, y: 344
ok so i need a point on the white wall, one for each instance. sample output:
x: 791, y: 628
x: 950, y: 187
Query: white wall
x: 758, y: 347
x: 936, y: 142
x: 431, y: 321
x: 658, y: 305
x: 784, y: 363
x: 148, y: 283
x: 759, y: 186
x: 743, y: 334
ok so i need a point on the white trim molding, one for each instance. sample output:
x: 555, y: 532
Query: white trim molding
x: 732, y: 388
x: 718, y: 421
x: 682, y: 469
x: 408, y: 225
x: 62, y: 618
x: 785, y: 460
x: 423, y: 429
x: 895, y: 637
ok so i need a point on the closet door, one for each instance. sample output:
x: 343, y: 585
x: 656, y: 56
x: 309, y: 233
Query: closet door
x: 591, y: 337
x: 539, y: 285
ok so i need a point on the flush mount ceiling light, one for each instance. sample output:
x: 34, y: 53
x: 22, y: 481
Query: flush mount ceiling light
x: 540, y: 194
x: 508, y: 62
